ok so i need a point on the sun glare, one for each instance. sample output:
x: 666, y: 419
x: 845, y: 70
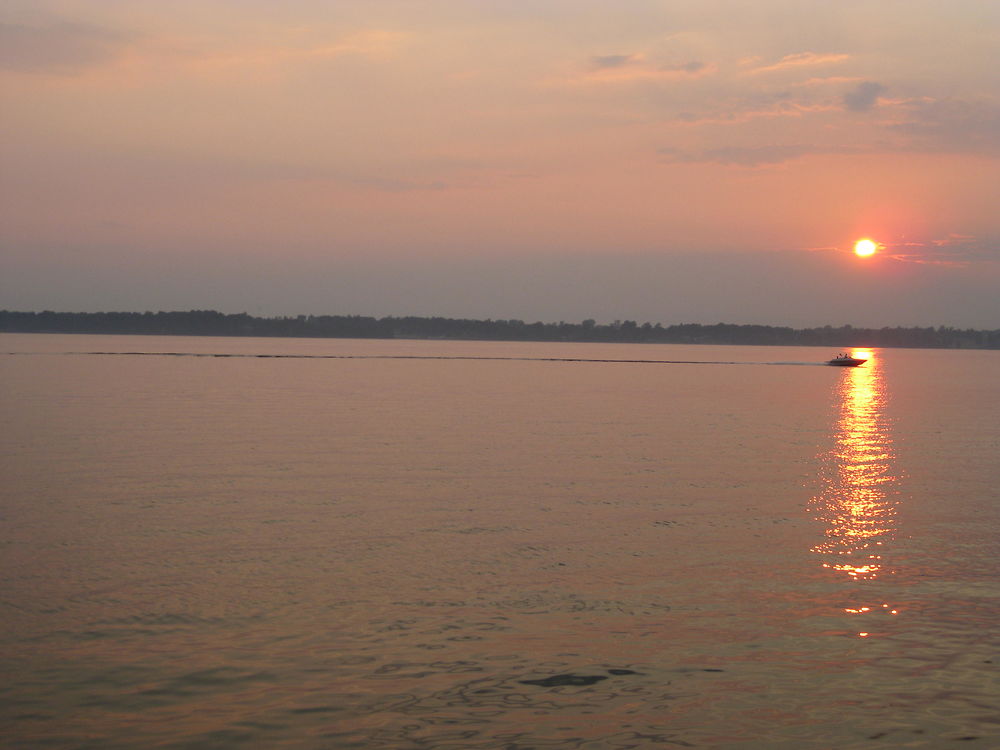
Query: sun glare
x: 864, y: 248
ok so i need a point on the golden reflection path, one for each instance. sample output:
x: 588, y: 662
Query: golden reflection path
x: 858, y: 500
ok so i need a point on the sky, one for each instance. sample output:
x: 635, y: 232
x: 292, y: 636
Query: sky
x: 672, y: 161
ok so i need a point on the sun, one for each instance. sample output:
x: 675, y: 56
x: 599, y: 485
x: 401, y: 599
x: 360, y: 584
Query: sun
x: 864, y: 248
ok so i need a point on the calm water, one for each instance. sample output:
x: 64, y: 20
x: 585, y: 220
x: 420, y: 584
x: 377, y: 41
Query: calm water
x: 375, y: 552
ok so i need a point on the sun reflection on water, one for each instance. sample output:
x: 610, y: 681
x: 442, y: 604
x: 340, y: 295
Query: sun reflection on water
x: 857, y: 502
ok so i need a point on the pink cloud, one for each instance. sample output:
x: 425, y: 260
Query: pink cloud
x: 800, y: 60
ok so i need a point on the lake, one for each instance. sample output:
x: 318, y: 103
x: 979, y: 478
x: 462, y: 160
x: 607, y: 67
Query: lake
x: 439, y: 544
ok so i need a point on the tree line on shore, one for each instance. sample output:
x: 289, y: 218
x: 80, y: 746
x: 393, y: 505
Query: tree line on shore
x: 212, y: 323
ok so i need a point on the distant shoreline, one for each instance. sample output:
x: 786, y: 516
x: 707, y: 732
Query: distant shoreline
x: 212, y: 323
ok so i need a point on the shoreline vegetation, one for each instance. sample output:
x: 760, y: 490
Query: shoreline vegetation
x: 212, y: 323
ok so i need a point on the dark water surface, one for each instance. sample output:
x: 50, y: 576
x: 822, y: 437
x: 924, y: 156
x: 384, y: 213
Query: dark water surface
x: 494, y: 549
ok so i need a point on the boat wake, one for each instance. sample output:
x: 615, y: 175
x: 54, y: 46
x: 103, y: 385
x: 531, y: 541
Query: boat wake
x: 225, y: 355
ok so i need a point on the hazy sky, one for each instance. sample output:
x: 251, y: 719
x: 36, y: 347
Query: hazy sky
x: 670, y: 161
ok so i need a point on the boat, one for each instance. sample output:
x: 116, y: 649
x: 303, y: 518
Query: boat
x: 846, y: 360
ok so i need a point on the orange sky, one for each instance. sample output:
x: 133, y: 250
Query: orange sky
x: 449, y: 157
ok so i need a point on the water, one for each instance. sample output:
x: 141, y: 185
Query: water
x: 499, y: 549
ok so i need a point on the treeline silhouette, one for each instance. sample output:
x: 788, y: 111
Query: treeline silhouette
x: 212, y: 323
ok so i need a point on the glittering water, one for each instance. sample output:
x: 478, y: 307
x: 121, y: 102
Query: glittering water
x: 498, y: 552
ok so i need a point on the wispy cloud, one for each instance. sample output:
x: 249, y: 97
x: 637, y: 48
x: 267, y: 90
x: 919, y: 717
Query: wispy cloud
x: 952, y: 125
x: 798, y: 60
x: 625, y: 68
x: 747, y: 156
x: 372, y: 44
x: 602, y: 62
x: 61, y: 48
x: 916, y: 125
x: 692, y: 67
x: 955, y: 250
x: 777, y: 105
x: 817, y: 81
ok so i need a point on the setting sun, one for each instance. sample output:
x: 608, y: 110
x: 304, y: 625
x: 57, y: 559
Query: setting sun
x: 865, y: 247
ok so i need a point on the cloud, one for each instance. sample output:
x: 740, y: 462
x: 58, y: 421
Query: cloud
x: 611, y: 61
x: 743, y: 156
x: 222, y: 54
x: 955, y: 250
x: 927, y: 126
x: 954, y: 239
x: 371, y: 43
x: 864, y: 96
x: 625, y: 68
x: 826, y: 81
x: 799, y: 60
x: 57, y: 48
x: 779, y: 104
x: 695, y: 66
x: 966, y: 247
x: 953, y: 125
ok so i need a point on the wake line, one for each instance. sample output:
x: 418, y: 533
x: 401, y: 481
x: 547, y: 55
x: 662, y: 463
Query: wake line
x: 417, y: 356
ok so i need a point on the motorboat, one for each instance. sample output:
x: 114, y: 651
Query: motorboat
x: 846, y: 360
